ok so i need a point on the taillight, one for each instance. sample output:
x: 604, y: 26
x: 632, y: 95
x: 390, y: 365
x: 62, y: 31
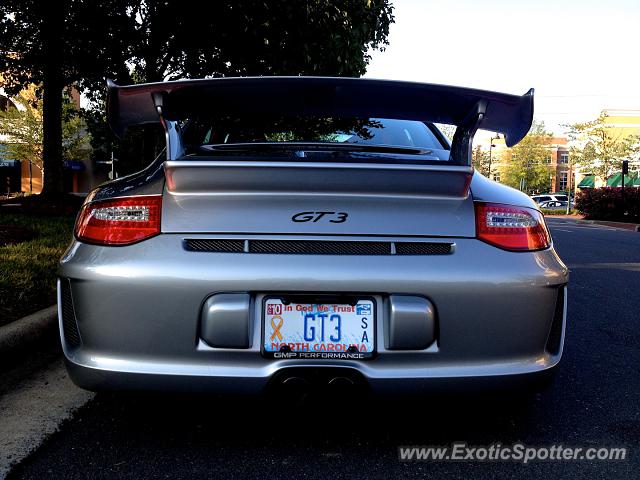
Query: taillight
x: 119, y: 221
x: 518, y: 229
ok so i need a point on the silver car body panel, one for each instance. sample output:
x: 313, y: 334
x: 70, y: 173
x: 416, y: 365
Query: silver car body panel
x: 262, y: 197
x: 138, y: 313
x: 485, y: 190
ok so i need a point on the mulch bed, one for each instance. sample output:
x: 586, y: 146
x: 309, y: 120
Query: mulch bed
x: 12, y: 234
x: 42, y: 205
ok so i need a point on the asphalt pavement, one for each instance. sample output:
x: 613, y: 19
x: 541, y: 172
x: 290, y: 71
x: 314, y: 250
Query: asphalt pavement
x: 593, y: 402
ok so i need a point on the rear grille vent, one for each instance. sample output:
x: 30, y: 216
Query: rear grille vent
x: 554, y: 341
x: 314, y: 247
x: 317, y: 247
x: 422, y: 248
x: 69, y: 324
x: 226, y: 246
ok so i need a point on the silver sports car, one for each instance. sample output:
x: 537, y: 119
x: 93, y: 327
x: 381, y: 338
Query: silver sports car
x: 317, y: 229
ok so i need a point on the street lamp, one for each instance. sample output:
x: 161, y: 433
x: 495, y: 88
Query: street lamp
x: 569, y: 182
x: 491, y: 145
x: 112, y: 163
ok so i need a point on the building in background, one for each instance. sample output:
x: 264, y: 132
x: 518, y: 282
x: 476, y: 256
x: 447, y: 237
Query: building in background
x: 560, y: 178
x: 621, y: 124
x: 563, y: 175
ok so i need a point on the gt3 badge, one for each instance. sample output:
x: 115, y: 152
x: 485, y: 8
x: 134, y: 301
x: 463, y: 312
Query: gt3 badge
x: 332, y: 217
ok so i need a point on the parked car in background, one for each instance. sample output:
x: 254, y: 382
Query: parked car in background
x: 549, y: 197
x: 317, y: 230
x: 552, y: 197
x: 553, y: 204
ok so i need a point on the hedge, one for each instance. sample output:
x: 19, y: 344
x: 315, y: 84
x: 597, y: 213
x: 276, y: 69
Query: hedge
x: 606, y: 204
x: 556, y: 211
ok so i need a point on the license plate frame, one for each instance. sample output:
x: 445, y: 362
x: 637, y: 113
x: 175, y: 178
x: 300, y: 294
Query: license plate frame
x: 340, y: 300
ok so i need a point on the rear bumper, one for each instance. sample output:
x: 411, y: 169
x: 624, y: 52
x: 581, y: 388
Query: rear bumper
x: 137, y: 311
x: 522, y: 375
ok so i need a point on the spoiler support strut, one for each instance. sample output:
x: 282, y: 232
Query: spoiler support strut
x: 462, y: 144
x: 158, y: 103
x: 171, y: 129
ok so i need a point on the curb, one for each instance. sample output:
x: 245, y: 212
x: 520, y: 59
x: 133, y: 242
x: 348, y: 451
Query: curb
x: 30, y: 329
x: 621, y: 225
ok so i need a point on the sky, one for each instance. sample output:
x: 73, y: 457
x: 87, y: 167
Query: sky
x: 581, y: 56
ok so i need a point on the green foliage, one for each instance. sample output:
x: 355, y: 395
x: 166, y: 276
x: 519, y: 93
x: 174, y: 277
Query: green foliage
x: 21, y: 123
x: 76, y: 141
x: 28, y: 269
x: 447, y: 130
x: 527, y: 163
x: 607, y: 204
x: 137, y: 41
x: 480, y: 160
x: 78, y: 39
x: 557, y: 211
x: 23, y: 126
x: 54, y: 45
x: 133, y: 41
x: 173, y: 39
x: 599, y: 149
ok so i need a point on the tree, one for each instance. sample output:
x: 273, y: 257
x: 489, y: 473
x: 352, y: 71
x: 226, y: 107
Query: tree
x: 480, y: 160
x: 600, y: 149
x: 447, y: 130
x: 135, y: 41
x: 76, y: 142
x: 54, y: 45
x: 527, y: 164
x: 171, y: 40
x: 253, y: 37
x: 22, y: 124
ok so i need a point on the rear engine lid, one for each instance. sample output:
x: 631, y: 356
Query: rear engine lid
x: 317, y: 198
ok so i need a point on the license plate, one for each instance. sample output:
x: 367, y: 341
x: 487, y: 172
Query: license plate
x: 318, y: 330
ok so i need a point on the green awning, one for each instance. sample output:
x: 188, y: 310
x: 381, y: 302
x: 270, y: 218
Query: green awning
x: 588, y: 182
x: 615, y: 180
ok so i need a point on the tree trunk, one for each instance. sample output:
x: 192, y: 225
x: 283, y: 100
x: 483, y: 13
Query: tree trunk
x: 52, y: 134
x: 53, y: 83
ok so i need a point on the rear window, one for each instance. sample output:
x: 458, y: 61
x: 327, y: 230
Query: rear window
x: 562, y: 198
x: 371, y: 131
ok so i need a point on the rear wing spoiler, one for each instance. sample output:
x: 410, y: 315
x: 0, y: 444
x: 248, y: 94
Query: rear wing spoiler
x: 468, y: 109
